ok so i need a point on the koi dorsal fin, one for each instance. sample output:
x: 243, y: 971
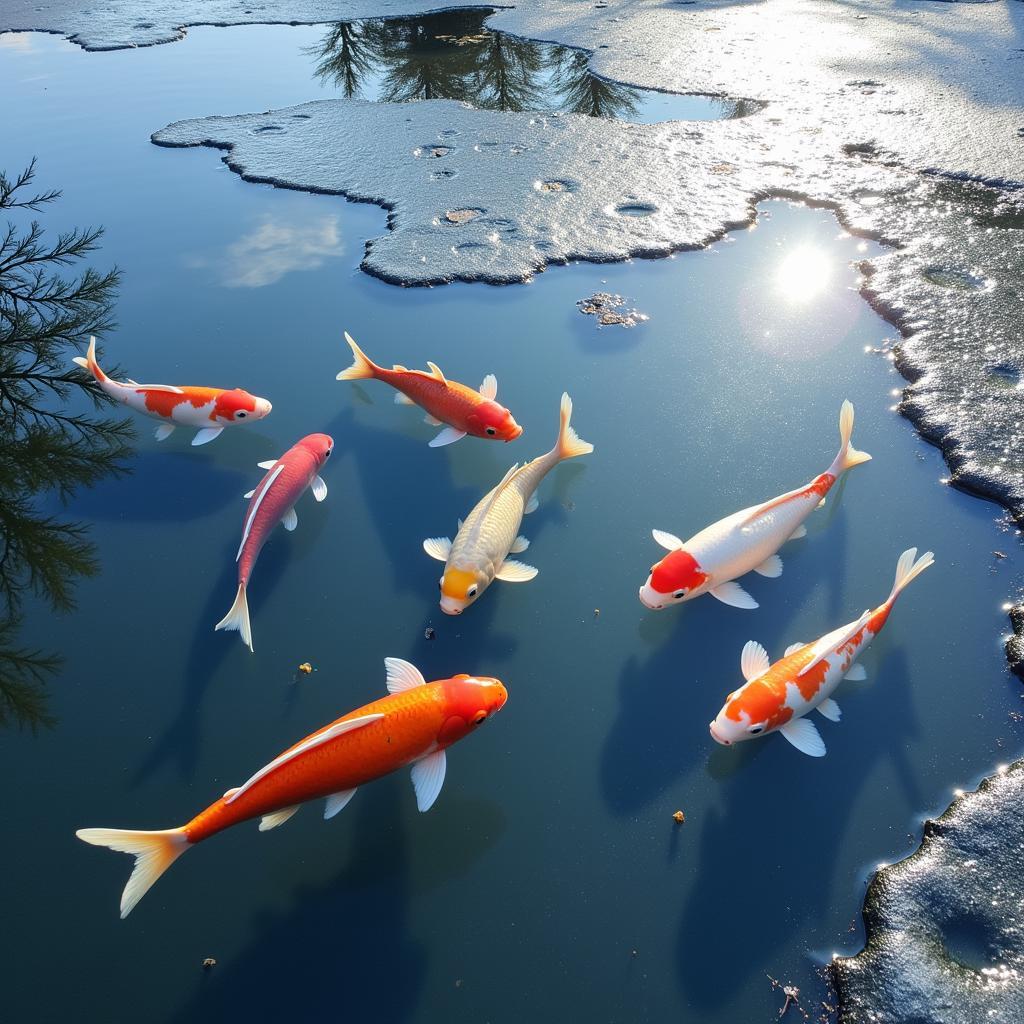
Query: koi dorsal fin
x: 402, y: 675
x: 769, y: 506
x: 822, y: 650
x: 435, y: 372
x: 338, y: 729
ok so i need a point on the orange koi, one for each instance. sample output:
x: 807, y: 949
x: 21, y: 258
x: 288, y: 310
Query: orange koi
x: 775, y: 698
x: 413, y: 725
x: 462, y: 410
x: 209, y: 410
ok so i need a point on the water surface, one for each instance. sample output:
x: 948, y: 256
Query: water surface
x: 550, y: 881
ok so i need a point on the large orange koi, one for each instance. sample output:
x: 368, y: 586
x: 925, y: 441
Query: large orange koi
x: 413, y: 725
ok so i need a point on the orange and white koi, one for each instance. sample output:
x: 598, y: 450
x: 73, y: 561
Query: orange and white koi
x: 775, y: 698
x: 414, y: 725
x: 479, y: 554
x: 462, y: 410
x: 272, y: 501
x: 710, y: 561
x: 209, y: 410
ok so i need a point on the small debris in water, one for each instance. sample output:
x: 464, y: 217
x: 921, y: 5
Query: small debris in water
x: 679, y: 818
x: 597, y: 613
x: 208, y: 963
x: 634, y: 952
x: 999, y: 554
x: 458, y: 983
x: 792, y: 994
x: 428, y: 633
x: 611, y: 310
x: 305, y: 668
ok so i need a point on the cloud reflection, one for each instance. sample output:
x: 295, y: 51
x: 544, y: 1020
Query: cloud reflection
x: 274, y: 249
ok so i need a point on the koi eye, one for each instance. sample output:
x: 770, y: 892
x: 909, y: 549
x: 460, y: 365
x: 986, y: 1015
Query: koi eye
x: 240, y: 415
x: 679, y: 595
x: 327, y: 454
x: 491, y: 431
x: 480, y: 717
x: 755, y: 729
x: 472, y: 591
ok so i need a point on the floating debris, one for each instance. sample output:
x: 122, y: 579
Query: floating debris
x: 208, y: 963
x: 679, y: 818
x: 792, y: 994
x: 597, y: 613
x: 305, y: 668
x: 428, y: 633
x: 611, y: 310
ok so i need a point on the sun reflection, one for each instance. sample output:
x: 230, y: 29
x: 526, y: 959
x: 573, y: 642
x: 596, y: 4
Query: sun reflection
x: 803, y: 274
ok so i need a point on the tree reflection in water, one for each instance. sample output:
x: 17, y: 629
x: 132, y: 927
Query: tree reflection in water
x: 52, y: 438
x: 452, y: 55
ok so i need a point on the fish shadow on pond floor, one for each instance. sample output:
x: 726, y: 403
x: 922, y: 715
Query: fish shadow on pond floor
x: 180, y: 742
x: 780, y: 823
x: 332, y: 940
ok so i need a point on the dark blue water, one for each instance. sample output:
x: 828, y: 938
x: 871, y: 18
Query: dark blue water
x: 550, y: 881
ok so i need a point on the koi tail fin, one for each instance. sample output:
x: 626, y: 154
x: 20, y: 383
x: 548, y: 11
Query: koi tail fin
x: 89, y: 362
x: 569, y: 443
x: 363, y: 366
x: 238, y: 617
x: 907, y: 568
x: 154, y: 853
x: 848, y: 456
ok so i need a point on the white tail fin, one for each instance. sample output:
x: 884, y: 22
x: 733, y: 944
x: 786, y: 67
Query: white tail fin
x: 907, y: 569
x: 363, y: 366
x: 154, y: 853
x: 89, y: 362
x: 569, y: 443
x: 238, y: 617
x: 848, y: 456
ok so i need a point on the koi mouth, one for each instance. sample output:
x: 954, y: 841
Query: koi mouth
x: 717, y: 738
x: 647, y: 604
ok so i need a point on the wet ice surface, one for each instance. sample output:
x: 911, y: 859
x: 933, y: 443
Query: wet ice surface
x: 946, y: 926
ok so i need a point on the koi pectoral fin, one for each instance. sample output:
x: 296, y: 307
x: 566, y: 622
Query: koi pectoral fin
x: 428, y: 778
x: 319, y: 488
x: 290, y: 520
x: 403, y: 399
x: 512, y: 571
x: 438, y: 547
x: 804, y: 736
x: 754, y: 660
x: 732, y: 593
x: 163, y: 431
x: 857, y: 673
x: 519, y: 545
x: 447, y: 436
x: 206, y: 435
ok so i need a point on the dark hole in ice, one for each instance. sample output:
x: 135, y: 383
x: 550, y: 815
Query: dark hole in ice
x: 440, y: 175
x: 969, y: 941
x: 453, y: 55
x: 635, y: 209
x: 1005, y: 375
x: 959, y: 280
x: 469, y: 247
x: 300, y: 117
x: 431, y: 152
x: 143, y: 24
x: 263, y: 129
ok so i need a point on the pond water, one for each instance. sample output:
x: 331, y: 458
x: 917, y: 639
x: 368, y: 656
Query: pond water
x: 550, y: 881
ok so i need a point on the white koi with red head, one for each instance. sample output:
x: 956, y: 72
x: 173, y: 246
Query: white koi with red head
x: 775, y: 698
x: 208, y: 410
x: 747, y: 541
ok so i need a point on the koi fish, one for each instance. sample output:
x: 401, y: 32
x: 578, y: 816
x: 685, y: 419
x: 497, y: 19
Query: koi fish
x: 490, y: 533
x: 462, y: 410
x: 413, y: 725
x: 710, y: 561
x: 208, y: 409
x: 775, y: 698
x: 272, y: 501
